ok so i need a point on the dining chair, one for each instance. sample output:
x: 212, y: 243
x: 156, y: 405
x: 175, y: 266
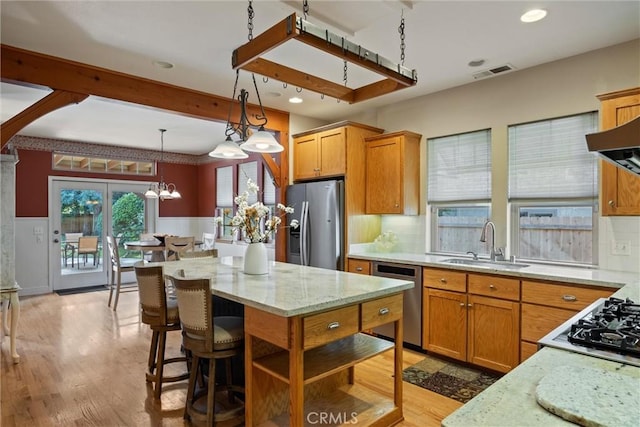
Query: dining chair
x: 210, y: 337
x: 208, y: 240
x: 70, y: 244
x: 162, y: 315
x: 88, y: 245
x: 207, y: 253
x: 118, y: 266
x: 175, y: 246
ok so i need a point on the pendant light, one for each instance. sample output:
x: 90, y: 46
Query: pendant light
x: 162, y: 190
x: 260, y: 141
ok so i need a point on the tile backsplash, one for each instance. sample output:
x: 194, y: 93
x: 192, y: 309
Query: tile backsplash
x: 618, y: 242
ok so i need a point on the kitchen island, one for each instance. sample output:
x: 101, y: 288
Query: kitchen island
x: 302, y: 339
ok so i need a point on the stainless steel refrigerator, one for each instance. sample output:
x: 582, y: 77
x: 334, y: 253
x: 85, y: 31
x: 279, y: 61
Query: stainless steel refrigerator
x: 319, y: 208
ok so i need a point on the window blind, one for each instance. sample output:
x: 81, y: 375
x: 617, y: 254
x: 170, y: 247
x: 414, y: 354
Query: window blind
x: 549, y: 159
x: 269, y: 189
x: 459, y: 167
x: 247, y: 171
x: 224, y: 187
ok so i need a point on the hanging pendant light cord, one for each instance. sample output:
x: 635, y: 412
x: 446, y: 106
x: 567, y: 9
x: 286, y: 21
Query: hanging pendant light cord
x: 402, y: 43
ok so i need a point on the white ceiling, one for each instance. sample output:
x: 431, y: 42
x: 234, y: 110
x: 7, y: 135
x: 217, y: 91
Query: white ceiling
x: 198, y: 37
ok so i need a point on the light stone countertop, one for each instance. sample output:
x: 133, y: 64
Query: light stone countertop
x: 511, y: 401
x: 556, y: 273
x: 288, y: 289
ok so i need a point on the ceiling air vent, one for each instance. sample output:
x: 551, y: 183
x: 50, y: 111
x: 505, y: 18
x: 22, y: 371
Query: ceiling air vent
x: 493, y: 71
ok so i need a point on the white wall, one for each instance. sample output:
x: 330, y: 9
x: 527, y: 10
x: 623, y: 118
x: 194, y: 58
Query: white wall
x: 564, y: 87
x: 32, y: 256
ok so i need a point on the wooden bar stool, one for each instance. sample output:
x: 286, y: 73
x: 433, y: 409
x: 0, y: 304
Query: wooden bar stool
x: 210, y: 337
x: 161, y: 314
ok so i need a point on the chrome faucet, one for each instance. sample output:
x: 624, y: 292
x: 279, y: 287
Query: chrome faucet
x: 496, y: 253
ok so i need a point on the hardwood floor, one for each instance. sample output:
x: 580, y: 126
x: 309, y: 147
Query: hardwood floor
x: 84, y: 365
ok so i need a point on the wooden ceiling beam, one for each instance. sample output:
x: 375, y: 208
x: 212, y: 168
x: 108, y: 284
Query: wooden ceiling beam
x: 51, y: 102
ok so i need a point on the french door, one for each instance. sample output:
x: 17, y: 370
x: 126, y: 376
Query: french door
x: 82, y: 213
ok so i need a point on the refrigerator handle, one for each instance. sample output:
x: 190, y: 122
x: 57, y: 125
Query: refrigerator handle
x: 304, y: 231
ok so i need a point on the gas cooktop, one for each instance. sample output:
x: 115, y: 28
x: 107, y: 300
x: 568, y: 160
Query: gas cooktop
x: 609, y: 328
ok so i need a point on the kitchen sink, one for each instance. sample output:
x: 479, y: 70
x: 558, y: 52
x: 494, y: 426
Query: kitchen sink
x: 506, y: 265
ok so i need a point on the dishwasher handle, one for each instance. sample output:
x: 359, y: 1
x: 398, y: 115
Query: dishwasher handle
x: 400, y: 271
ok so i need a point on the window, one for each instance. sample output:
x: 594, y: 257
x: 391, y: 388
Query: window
x: 224, y: 199
x: 225, y: 194
x: 247, y: 171
x: 459, y: 191
x: 78, y: 163
x: 553, y: 189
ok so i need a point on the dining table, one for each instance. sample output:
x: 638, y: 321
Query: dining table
x: 156, y: 247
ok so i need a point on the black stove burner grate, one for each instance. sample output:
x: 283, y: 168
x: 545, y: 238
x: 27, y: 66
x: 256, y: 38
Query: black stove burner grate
x: 614, y: 326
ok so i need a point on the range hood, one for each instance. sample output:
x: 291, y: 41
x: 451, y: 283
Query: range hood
x: 620, y: 145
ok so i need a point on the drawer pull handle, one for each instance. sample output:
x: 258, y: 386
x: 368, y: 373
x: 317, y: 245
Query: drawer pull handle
x: 383, y: 311
x: 461, y: 304
x: 492, y: 287
x: 333, y: 325
x: 569, y: 297
x: 358, y: 268
x: 443, y: 280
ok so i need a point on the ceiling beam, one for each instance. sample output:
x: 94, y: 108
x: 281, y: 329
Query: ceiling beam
x: 51, y: 102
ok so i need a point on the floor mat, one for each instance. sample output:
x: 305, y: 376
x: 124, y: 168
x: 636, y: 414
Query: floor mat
x: 445, y: 377
x: 81, y: 290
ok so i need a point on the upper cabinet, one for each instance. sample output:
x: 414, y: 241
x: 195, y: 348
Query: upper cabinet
x: 326, y: 151
x: 620, y: 191
x: 393, y: 173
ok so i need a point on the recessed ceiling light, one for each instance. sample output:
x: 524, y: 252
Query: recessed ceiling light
x: 295, y: 100
x: 533, y: 15
x: 163, y: 64
x: 476, y: 63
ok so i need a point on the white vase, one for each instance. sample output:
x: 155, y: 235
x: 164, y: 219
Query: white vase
x: 255, y: 259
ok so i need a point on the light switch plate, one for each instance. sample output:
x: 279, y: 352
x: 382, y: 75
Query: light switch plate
x: 621, y: 247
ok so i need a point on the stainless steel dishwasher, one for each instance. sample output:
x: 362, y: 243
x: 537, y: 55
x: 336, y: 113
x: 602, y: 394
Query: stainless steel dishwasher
x: 412, y: 309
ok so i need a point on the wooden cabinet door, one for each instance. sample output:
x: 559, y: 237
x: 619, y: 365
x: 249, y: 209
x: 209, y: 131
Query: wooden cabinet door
x: 332, y: 152
x: 494, y: 333
x: 384, y: 193
x: 305, y: 157
x: 620, y: 188
x: 445, y: 323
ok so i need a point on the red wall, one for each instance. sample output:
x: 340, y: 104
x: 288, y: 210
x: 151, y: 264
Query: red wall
x: 34, y: 168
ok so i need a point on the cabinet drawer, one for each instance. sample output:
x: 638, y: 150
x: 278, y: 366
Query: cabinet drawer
x: 381, y: 311
x: 359, y: 266
x: 494, y: 286
x: 538, y: 321
x: 330, y: 326
x: 444, y: 279
x: 562, y: 296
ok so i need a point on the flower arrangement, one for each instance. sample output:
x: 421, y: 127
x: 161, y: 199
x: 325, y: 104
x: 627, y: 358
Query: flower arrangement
x: 251, y: 218
x: 386, y: 241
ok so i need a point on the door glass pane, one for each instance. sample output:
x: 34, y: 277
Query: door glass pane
x: 81, y: 218
x: 127, y: 219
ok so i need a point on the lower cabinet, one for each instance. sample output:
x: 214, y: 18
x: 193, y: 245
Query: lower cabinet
x: 473, y: 327
x: 359, y: 266
x: 545, y: 306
